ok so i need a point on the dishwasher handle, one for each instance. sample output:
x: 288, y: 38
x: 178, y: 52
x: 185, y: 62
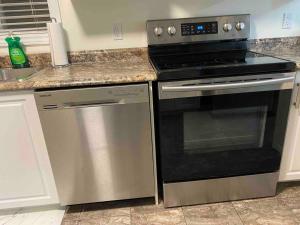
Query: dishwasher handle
x: 81, y: 105
x: 90, y: 104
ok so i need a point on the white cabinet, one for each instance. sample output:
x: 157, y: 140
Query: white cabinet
x: 290, y: 165
x: 26, y: 177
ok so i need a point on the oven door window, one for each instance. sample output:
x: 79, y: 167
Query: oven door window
x: 222, y: 135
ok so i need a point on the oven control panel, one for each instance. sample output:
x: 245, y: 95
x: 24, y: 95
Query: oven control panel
x: 186, y: 30
x: 199, y: 28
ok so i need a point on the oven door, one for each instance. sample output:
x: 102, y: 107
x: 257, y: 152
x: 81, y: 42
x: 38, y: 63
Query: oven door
x: 216, y: 128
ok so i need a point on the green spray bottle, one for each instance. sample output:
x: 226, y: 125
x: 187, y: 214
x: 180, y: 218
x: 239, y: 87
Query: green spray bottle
x: 17, y: 55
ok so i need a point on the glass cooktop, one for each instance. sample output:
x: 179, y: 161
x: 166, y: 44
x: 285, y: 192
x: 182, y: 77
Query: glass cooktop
x: 185, y: 66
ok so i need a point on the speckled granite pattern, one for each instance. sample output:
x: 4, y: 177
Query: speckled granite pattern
x: 44, y: 59
x: 277, y: 45
x: 41, y: 60
x: 287, y: 48
x: 94, y: 74
x: 120, y: 55
x: 133, y: 67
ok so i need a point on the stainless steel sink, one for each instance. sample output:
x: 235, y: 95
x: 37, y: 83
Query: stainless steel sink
x: 16, y: 74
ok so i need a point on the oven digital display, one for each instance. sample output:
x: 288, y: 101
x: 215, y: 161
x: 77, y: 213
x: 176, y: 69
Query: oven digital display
x: 188, y: 29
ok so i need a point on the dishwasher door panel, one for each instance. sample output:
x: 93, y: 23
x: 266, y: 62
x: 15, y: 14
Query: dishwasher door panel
x: 100, y: 153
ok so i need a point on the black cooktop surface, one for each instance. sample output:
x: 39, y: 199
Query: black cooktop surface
x: 227, y: 63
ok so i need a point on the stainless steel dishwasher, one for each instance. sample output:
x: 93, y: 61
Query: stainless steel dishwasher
x: 99, y: 142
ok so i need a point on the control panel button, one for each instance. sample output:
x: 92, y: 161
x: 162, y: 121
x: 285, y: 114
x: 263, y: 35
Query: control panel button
x: 240, y: 26
x: 171, y: 30
x: 158, y: 31
x: 227, y: 27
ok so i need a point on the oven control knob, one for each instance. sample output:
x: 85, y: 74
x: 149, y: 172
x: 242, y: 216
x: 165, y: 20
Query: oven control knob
x: 158, y: 31
x: 227, y: 27
x: 240, y: 26
x: 171, y: 30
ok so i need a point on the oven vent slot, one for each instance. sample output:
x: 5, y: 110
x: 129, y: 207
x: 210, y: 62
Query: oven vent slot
x: 268, y: 78
x: 50, y: 106
x: 217, y: 82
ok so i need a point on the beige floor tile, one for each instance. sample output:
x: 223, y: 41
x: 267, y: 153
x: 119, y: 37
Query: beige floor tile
x: 267, y: 211
x: 293, y: 204
x: 138, y: 219
x: 94, y: 214
x: 288, y: 190
x: 227, y: 213
x: 110, y: 220
x: 148, y: 208
x: 204, y: 210
x: 70, y: 222
x: 158, y: 217
x: 89, y: 221
x: 212, y: 214
x: 115, y: 220
x: 172, y: 217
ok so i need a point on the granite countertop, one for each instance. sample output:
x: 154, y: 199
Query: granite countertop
x: 110, y: 68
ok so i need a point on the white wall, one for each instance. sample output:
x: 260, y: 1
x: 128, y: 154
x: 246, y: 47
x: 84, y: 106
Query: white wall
x: 88, y: 23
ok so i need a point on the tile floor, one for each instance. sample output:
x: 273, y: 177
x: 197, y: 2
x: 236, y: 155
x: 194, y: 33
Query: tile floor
x: 284, y: 209
x: 48, y: 215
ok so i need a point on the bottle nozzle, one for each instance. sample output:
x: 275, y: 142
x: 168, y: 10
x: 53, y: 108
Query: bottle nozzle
x: 10, y: 34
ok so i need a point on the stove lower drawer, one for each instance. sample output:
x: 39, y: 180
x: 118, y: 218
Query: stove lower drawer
x: 219, y: 190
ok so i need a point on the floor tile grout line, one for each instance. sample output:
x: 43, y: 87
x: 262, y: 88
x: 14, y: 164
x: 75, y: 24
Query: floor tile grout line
x: 213, y: 211
x: 237, y: 213
x: 183, y: 215
x: 130, y: 214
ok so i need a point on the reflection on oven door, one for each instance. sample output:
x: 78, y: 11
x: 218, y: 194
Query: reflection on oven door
x: 226, y: 129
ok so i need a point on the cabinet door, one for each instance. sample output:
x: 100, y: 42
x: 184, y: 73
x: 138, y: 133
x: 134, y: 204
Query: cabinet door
x: 25, y: 173
x: 290, y: 164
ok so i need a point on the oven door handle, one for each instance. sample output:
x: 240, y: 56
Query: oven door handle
x: 212, y: 87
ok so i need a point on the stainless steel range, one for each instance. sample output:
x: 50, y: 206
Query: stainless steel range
x: 221, y: 111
